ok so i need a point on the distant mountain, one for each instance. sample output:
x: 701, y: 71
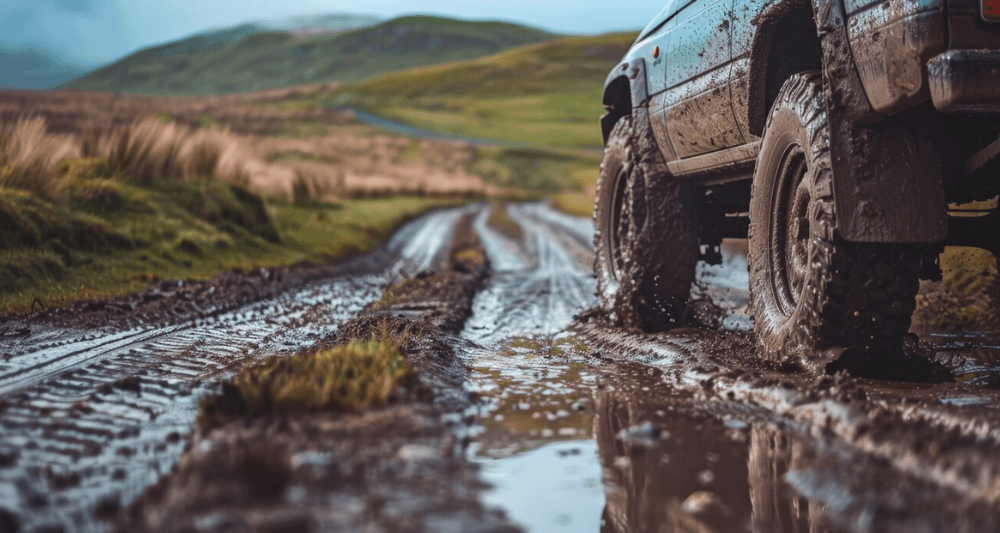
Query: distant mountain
x: 267, y: 59
x: 320, y: 24
x: 27, y: 68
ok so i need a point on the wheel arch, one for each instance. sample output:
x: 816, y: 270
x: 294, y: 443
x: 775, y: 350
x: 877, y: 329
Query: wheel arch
x: 787, y: 42
x: 617, y: 103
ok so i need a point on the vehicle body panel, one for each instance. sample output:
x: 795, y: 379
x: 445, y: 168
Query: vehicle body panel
x: 892, y: 41
x: 706, y: 94
x: 698, y: 104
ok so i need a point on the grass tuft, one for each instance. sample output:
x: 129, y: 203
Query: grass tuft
x: 30, y: 158
x: 346, y: 378
x: 150, y: 149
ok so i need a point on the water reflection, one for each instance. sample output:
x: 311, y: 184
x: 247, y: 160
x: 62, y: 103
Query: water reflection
x: 659, y: 461
x: 775, y: 506
x: 666, y: 470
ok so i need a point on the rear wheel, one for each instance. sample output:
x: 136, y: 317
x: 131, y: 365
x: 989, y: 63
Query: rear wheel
x: 813, y: 294
x: 645, y: 239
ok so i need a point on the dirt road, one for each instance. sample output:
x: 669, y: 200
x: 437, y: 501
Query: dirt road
x: 579, y: 427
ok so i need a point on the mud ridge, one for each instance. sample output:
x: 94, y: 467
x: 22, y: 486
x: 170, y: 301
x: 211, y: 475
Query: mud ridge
x: 398, y: 468
x: 911, y: 433
x: 92, y: 416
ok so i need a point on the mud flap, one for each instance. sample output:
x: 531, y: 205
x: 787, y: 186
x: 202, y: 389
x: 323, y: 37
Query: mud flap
x: 886, y: 179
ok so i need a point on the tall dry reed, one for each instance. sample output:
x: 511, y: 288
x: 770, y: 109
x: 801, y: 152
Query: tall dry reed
x: 30, y: 157
x: 150, y: 149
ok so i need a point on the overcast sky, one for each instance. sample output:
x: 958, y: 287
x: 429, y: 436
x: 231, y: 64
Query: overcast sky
x: 99, y: 31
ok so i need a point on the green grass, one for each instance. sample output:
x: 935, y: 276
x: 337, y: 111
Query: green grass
x: 541, y: 102
x: 545, y: 94
x: 574, y: 203
x: 342, y: 379
x: 541, y: 170
x: 268, y: 59
x: 966, y: 299
x: 110, y: 237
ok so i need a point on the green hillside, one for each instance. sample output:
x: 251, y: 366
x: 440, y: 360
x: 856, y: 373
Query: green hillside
x: 545, y: 94
x: 270, y: 59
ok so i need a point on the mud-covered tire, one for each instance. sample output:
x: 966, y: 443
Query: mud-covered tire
x: 645, y: 239
x: 812, y: 293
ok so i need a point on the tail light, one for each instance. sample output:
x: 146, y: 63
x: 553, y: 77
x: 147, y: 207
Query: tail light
x: 991, y: 9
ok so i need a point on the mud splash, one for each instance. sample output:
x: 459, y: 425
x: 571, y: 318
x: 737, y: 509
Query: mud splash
x: 690, y: 432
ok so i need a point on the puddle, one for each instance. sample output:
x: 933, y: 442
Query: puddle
x: 556, y: 487
x: 570, y: 445
x: 973, y: 358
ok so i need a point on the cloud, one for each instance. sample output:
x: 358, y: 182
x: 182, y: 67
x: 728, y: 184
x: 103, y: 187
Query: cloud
x: 14, y: 21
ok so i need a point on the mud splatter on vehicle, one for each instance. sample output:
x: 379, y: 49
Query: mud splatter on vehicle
x: 837, y: 136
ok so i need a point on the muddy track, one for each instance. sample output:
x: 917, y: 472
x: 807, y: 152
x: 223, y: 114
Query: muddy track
x: 538, y: 285
x: 91, y: 417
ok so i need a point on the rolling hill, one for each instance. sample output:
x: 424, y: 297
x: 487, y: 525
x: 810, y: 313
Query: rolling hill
x: 546, y: 93
x: 542, y: 101
x: 268, y: 59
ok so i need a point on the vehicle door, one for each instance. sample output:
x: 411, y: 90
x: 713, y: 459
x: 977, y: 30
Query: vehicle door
x: 698, y: 99
x: 652, y: 47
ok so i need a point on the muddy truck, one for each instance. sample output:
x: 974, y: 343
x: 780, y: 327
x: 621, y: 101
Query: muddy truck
x: 840, y: 136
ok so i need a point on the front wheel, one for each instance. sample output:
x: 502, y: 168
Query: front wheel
x: 813, y: 294
x: 645, y: 239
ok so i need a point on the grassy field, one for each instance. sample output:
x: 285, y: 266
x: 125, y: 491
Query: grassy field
x: 101, y: 193
x: 541, y: 102
x: 91, y: 212
x: 114, y: 237
x: 271, y: 59
x: 546, y: 94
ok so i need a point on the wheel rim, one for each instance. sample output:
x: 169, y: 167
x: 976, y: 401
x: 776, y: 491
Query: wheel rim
x: 619, y: 223
x: 790, y: 229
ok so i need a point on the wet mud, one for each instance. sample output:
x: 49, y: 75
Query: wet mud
x: 397, y: 468
x: 97, y: 405
x: 530, y: 411
x: 692, y: 432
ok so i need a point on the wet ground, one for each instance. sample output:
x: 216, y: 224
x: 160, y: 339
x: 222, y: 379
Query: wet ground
x: 578, y: 427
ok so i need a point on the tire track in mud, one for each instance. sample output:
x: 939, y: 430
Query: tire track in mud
x: 90, y: 419
x: 538, y: 287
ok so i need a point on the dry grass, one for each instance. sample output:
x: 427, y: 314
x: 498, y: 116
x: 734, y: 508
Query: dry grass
x: 30, y: 157
x: 227, y: 138
x: 150, y: 149
x: 33, y: 159
x: 344, y: 163
x: 76, y: 112
x: 350, y: 377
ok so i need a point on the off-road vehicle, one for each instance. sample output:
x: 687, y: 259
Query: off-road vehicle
x: 841, y: 136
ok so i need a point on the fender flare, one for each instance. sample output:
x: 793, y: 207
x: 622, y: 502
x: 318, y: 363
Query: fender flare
x: 632, y: 73
x: 760, y: 49
x: 887, y: 184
